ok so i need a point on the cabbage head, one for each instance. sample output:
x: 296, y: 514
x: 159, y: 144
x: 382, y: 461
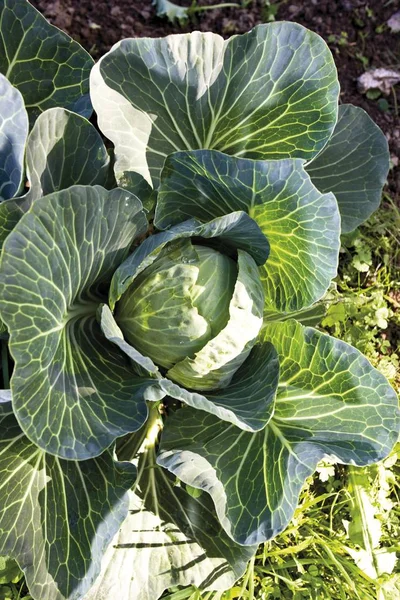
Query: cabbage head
x: 178, y: 312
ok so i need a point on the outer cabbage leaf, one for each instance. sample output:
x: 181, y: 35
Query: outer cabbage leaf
x: 3, y: 330
x: 47, y: 66
x: 248, y: 401
x: 57, y: 517
x: 270, y: 93
x: 73, y: 392
x: 353, y: 165
x: 301, y: 224
x: 311, y: 316
x: 13, y: 133
x: 135, y: 183
x: 64, y: 149
x: 5, y: 396
x: 142, y: 364
x: 330, y: 401
x: 169, y: 538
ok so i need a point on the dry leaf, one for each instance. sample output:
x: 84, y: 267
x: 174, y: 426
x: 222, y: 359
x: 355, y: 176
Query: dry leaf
x: 380, y: 79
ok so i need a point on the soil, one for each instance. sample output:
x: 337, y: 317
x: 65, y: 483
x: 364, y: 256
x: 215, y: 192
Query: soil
x: 356, y: 31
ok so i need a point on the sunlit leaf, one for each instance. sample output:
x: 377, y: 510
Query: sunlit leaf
x: 169, y: 538
x: 270, y: 93
x: 13, y: 132
x: 301, y: 224
x: 57, y: 517
x: 64, y: 149
x: 330, y: 401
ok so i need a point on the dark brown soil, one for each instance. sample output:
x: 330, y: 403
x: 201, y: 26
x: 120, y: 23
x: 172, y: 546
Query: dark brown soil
x: 356, y: 31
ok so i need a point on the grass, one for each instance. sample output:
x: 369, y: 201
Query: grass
x: 314, y: 558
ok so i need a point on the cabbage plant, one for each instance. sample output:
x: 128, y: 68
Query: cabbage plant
x: 168, y: 397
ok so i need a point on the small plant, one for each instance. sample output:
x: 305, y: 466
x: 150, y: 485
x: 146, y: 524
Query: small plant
x: 270, y: 10
x: 341, y: 40
x: 175, y: 12
x: 166, y: 403
x: 364, y: 312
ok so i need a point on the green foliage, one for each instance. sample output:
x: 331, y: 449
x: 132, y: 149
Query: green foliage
x: 47, y: 66
x: 9, y: 571
x: 13, y: 131
x: 270, y: 10
x: 315, y: 556
x: 254, y: 120
x: 366, y: 310
x: 114, y: 455
x: 360, y: 159
x: 300, y: 224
